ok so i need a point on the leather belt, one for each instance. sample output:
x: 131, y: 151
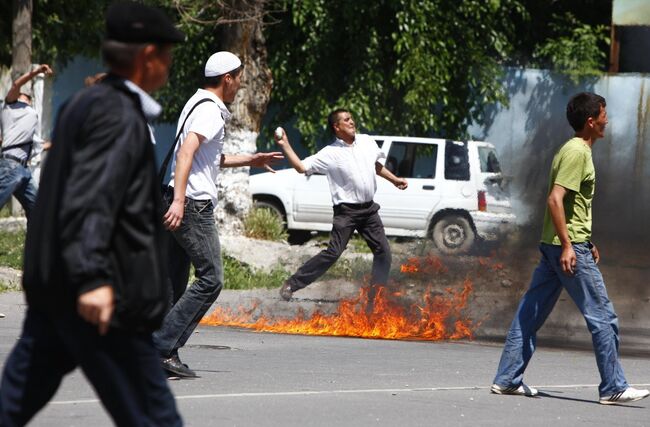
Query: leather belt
x: 17, y: 159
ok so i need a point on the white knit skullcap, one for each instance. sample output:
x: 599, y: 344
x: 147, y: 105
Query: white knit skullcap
x: 221, y: 63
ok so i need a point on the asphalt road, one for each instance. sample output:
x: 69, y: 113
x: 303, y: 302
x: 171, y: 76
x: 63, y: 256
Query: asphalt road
x: 254, y: 379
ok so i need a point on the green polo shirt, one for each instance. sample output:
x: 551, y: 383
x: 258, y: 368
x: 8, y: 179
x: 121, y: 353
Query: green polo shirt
x: 573, y: 169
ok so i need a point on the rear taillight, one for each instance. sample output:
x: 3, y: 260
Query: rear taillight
x: 482, y: 203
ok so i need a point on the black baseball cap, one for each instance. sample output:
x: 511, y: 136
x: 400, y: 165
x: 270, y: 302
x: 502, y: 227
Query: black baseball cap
x: 131, y: 22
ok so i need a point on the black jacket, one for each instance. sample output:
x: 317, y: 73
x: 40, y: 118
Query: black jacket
x: 97, y: 218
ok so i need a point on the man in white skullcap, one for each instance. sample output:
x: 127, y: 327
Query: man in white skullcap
x: 191, y: 197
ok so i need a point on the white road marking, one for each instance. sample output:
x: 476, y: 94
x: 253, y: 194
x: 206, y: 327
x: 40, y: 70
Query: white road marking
x: 330, y: 392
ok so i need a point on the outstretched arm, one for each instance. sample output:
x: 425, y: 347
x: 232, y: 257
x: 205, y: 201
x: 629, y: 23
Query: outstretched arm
x: 257, y: 160
x: 400, y: 183
x: 14, y: 92
x: 291, y: 155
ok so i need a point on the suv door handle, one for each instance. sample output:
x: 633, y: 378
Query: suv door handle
x: 428, y: 187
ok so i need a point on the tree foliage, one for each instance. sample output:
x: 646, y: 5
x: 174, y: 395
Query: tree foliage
x: 548, y: 20
x: 417, y: 67
x: 575, y: 49
x: 567, y: 37
x: 198, y: 24
x: 60, y: 29
x: 65, y: 29
x: 414, y: 67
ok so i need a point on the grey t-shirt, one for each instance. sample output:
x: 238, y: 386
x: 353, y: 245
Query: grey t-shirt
x: 19, y: 123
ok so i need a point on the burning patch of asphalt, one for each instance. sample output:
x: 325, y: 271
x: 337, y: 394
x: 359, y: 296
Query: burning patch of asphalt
x: 427, y: 298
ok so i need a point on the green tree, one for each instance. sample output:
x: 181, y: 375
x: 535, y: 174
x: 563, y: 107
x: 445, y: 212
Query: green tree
x: 60, y: 30
x: 569, y: 37
x: 402, y: 66
x: 575, y: 48
x: 414, y: 67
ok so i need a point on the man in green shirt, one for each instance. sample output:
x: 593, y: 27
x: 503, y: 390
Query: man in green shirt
x: 569, y: 261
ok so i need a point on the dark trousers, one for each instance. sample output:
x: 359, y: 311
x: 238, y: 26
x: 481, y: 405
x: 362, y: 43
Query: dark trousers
x: 123, y: 367
x: 364, y: 218
x: 195, y: 241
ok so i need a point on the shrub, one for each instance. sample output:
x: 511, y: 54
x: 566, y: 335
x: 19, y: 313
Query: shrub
x: 11, y: 248
x: 240, y: 276
x: 264, y: 224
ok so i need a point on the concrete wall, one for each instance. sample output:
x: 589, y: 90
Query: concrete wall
x: 529, y: 131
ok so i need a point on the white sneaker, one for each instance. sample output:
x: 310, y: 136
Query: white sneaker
x: 522, y: 390
x: 630, y: 394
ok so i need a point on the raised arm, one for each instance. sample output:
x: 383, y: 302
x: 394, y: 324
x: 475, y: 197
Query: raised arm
x: 14, y: 92
x: 291, y: 155
x: 383, y: 172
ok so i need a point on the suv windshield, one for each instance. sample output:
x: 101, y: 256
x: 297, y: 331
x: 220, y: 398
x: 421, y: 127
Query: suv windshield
x: 489, y: 161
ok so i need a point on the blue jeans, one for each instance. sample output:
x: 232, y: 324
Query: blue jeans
x: 587, y: 289
x: 195, y: 241
x: 17, y: 180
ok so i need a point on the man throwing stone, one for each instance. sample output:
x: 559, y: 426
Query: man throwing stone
x: 350, y: 163
x: 19, y: 124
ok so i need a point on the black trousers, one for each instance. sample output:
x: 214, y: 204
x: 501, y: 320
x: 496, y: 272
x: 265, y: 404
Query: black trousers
x: 363, y: 218
x: 123, y: 367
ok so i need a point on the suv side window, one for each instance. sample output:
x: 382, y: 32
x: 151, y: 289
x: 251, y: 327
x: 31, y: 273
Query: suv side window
x: 456, y: 161
x: 412, y: 160
x: 489, y: 161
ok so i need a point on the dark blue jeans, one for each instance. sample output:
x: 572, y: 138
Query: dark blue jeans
x: 196, y: 241
x: 17, y: 180
x: 587, y: 289
x: 123, y: 367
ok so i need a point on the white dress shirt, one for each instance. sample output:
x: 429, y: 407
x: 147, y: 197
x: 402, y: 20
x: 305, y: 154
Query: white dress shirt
x: 350, y: 168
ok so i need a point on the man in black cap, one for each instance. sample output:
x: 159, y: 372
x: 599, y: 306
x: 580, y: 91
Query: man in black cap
x: 94, y: 275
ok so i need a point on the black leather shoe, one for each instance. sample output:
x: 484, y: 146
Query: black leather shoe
x: 174, y: 366
x: 285, y: 292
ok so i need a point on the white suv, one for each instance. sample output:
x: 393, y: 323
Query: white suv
x: 455, y: 193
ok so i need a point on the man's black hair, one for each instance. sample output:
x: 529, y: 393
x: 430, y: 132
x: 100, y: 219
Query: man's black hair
x: 581, y: 107
x: 216, y: 80
x: 120, y: 55
x: 333, y: 117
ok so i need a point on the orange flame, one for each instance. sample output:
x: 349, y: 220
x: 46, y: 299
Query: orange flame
x: 436, y: 317
x: 490, y: 263
x: 426, y: 265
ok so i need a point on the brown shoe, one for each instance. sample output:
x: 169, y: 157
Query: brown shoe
x: 285, y: 292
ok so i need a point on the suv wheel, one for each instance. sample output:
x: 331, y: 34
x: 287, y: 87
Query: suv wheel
x: 453, y: 234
